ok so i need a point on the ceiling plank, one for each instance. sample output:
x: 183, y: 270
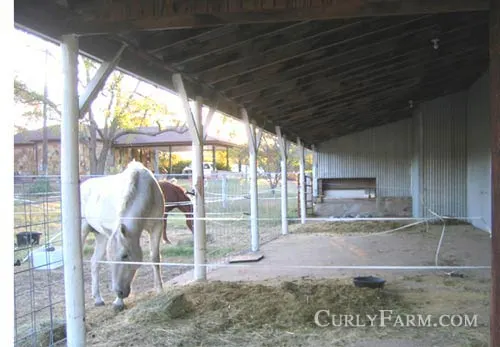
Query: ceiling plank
x: 131, y: 15
x: 371, y: 53
x: 364, y: 75
x: 236, y: 40
x: 342, y: 103
x: 374, y: 79
x: 217, y: 74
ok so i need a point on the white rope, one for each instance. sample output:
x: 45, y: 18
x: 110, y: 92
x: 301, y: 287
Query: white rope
x: 322, y: 267
x: 386, y: 232
x: 441, y: 238
x: 295, y: 219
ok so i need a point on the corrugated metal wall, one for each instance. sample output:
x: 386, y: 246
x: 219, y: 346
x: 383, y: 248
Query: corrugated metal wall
x: 441, y: 157
x: 444, y: 156
x: 383, y: 153
x: 479, y: 154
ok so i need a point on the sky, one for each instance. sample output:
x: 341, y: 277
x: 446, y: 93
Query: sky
x: 30, y: 66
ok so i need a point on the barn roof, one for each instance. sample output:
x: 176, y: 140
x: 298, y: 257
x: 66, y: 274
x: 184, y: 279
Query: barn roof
x: 139, y: 137
x: 318, y: 69
x: 166, y: 138
x: 30, y: 137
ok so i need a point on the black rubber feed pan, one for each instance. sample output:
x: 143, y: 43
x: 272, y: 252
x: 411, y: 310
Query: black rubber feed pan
x: 369, y: 282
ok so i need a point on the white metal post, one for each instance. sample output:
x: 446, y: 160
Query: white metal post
x: 70, y: 197
x: 200, y: 244
x: 314, y: 173
x: 253, y: 144
x: 196, y: 129
x: 302, y: 182
x: 283, y: 144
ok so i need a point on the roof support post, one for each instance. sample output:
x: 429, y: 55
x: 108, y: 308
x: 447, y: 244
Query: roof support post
x: 70, y: 197
x: 314, y: 173
x: 209, y: 118
x: 97, y: 82
x: 254, y: 135
x: 196, y: 129
x: 495, y: 170
x: 302, y: 181
x: 283, y: 146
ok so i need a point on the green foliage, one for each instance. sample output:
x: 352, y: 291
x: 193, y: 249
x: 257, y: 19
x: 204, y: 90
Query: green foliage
x: 177, y: 163
x: 40, y: 186
x: 178, y: 251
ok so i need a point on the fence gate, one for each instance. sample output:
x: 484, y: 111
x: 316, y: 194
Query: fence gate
x: 309, y: 195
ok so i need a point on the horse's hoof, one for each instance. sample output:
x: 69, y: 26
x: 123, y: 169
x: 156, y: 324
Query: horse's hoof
x: 118, y: 308
x: 99, y: 303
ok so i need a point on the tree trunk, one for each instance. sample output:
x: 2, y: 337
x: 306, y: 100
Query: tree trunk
x: 103, y: 156
x: 93, y: 145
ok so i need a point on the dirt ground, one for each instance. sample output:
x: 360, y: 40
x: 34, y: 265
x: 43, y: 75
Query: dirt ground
x: 435, y: 291
x: 430, y: 292
x: 463, y: 245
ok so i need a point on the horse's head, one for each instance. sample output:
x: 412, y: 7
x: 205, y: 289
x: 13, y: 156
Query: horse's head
x: 124, y: 249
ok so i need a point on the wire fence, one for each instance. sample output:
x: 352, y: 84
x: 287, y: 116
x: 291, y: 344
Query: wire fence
x: 39, y: 278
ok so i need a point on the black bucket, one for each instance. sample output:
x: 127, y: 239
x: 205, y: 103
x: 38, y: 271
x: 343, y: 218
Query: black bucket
x: 27, y: 238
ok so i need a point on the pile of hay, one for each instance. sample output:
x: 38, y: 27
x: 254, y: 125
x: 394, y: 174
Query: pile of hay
x: 223, y: 305
x: 354, y: 227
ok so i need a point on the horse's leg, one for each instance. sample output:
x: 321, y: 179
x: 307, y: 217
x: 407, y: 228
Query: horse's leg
x: 154, y: 241
x: 99, y: 254
x: 164, y: 232
x: 86, y: 229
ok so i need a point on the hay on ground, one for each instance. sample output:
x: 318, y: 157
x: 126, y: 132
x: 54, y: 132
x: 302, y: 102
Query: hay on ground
x: 354, y: 227
x: 221, y: 305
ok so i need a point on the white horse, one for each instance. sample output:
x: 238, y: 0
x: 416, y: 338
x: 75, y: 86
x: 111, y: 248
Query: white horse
x: 117, y: 208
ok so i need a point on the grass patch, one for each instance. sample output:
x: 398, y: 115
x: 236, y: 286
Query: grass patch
x: 219, y: 252
x: 178, y: 251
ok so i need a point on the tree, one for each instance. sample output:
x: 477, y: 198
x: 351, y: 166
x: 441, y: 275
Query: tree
x: 123, y: 113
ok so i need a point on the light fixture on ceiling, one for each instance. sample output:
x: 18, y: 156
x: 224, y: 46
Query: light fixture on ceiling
x: 410, y: 103
x: 435, y: 43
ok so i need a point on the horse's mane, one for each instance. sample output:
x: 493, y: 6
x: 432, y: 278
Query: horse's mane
x: 131, y: 174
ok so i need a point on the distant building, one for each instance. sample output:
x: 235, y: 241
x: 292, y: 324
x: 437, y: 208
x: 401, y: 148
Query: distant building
x: 144, y: 147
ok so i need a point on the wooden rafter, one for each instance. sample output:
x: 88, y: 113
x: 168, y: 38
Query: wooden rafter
x: 124, y: 15
x: 371, y: 79
x: 276, y: 55
x: 360, y: 57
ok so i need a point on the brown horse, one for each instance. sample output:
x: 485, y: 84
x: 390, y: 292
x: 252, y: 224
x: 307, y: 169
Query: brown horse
x: 176, y: 197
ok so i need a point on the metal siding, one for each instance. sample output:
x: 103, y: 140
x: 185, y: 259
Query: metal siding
x: 478, y: 154
x: 416, y: 167
x: 383, y: 152
x: 444, y: 157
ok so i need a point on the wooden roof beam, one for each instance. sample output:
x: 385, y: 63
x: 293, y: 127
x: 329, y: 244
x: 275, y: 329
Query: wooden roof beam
x: 381, y: 78
x: 131, y: 15
x: 364, y: 75
x: 217, y: 74
x: 349, y: 57
x: 340, y: 104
